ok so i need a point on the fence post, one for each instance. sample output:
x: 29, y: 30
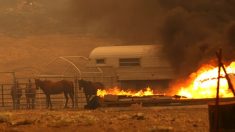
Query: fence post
x: 3, y: 104
x: 75, y: 99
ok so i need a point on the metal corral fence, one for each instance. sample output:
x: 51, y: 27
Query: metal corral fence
x: 70, y: 68
x: 58, y: 100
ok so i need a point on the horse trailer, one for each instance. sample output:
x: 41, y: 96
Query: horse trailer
x: 134, y: 67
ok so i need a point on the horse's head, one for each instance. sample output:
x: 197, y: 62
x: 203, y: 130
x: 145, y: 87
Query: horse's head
x: 88, y: 87
x: 81, y: 83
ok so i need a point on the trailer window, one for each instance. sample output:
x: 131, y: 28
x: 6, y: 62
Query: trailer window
x: 129, y: 62
x: 100, y: 61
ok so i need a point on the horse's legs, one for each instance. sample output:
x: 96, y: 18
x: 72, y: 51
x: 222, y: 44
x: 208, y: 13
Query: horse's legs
x: 47, y: 101
x: 33, y: 102
x: 18, y: 103
x: 71, y: 95
x: 14, y: 103
x: 50, y: 102
x: 66, y: 99
x: 88, y: 98
x: 28, y: 103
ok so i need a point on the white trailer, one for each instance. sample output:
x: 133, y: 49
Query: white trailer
x: 136, y: 66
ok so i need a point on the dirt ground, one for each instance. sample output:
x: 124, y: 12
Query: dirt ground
x: 133, y: 119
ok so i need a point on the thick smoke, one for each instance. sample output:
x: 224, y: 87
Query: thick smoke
x: 191, y: 31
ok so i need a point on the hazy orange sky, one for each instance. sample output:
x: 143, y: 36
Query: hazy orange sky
x: 189, y: 30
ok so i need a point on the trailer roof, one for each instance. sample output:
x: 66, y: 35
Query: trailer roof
x: 125, y: 51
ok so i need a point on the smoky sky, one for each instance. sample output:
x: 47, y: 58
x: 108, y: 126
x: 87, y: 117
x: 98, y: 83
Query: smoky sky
x: 191, y: 31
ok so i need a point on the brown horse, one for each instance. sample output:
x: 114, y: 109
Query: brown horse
x: 90, y: 91
x: 16, y: 93
x: 30, y: 93
x: 49, y: 87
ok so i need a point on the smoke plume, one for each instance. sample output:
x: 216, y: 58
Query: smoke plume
x: 193, y: 30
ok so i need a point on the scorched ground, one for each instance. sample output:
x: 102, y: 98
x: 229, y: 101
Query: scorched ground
x: 133, y: 118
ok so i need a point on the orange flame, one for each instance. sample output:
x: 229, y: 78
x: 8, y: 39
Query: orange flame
x: 201, y: 84
x: 204, y: 82
x: 117, y: 91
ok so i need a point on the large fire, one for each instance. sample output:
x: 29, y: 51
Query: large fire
x: 203, y: 83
